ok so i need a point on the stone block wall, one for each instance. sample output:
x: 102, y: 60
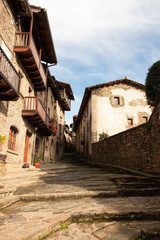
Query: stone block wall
x: 137, y: 148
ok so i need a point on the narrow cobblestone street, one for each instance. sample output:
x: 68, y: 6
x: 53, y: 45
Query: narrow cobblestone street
x: 72, y: 200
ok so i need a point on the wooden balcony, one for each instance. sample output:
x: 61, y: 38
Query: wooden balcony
x: 9, y: 79
x: 26, y: 48
x: 34, y: 111
x: 66, y: 102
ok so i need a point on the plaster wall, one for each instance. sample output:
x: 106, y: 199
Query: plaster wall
x: 134, y: 149
x: 107, y: 117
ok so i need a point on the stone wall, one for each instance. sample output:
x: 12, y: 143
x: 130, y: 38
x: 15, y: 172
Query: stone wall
x: 11, y: 111
x: 137, y: 148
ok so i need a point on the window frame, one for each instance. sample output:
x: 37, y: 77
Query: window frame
x: 130, y: 124
x: 116, y: 100
x: 12, y: 138
x: 145, y: 118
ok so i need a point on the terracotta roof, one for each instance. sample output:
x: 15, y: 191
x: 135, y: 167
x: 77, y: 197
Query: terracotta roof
x: 88, y: 91
x: 124, y: 81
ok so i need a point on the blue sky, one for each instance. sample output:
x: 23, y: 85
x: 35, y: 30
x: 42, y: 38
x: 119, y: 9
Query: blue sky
x: 97, y: 41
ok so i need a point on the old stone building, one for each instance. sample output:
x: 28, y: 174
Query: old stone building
x: 59, y: 96
x: 109, y: 108
x: 27, y: 99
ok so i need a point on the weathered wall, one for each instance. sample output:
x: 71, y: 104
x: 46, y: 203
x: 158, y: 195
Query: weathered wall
x: 50, y: 142
x: 84, y: 133
x: 112, y: 118
x: 11, y: 112
x: 137, y: 148
x: 102, y: 114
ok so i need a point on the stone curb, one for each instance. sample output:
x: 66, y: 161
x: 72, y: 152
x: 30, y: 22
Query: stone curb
x: 7, y: 201
x: 55, y: 196
x: 123, y: 169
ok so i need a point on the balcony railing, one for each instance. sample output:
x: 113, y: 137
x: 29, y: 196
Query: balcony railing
x: 67, y: 102
x: 36, y: 114
x: 9, y: 79
x: 25, y: 46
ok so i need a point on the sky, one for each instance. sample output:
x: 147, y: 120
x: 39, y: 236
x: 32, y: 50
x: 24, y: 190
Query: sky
x: 98, y: 41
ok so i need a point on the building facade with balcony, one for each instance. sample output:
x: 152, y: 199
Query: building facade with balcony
x: 25, y: 42
x: 109, y: 108
x: 57, y: 104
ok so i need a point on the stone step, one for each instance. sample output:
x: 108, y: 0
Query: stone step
x: 34, y: 220
x: 68, y: 196
x: 7, y: 191
x: 7, y: 201
x: 138, y: 185
x: 131, y: 179
x: 139, y: 192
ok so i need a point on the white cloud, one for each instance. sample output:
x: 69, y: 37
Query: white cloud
x: 103, y: 40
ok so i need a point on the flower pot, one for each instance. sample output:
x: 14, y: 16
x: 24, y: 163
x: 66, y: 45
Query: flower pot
x: 36, y: 164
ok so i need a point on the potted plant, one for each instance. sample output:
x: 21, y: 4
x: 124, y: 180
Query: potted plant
x: 52, y: 127
x: 2, y: 142
x: 37, y: 159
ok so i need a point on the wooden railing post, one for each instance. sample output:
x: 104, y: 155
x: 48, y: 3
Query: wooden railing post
x: 30, y: 31
x: 40, y: 53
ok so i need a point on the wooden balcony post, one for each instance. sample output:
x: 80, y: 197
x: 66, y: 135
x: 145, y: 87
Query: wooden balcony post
x: 46, y: 72
x: 36, y: 102
x: 40, y: 53
x: 30, y: 31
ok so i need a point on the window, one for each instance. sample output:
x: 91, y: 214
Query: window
x: 29, y: 91
x: 60, y: 129
x: 49, y: 112
x: 116, y: 100
x: 57, y: 147
x: 12, y: 138
x: 47, y: 143
x: 144, y: 119
x: 52, y: 100
x: 130, y: 121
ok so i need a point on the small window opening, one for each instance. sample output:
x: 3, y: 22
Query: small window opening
x: 117, y: 100
x: 145, y: 119
x: 130, y: 122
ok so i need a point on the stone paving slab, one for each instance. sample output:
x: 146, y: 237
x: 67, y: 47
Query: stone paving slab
x: 107, y: 231
x: 7, y: 201
x: 79, y: 193
x: 28, y: 220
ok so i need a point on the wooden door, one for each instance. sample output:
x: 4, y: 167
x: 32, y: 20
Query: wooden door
x: 26, y: 148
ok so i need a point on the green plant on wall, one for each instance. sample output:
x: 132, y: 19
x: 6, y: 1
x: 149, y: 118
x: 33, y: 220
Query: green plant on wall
x: 2, y: 141
x: 38, y: 157
x: 103, y: 136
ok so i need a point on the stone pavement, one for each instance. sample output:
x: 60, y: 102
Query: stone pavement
x: 72, y: 200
